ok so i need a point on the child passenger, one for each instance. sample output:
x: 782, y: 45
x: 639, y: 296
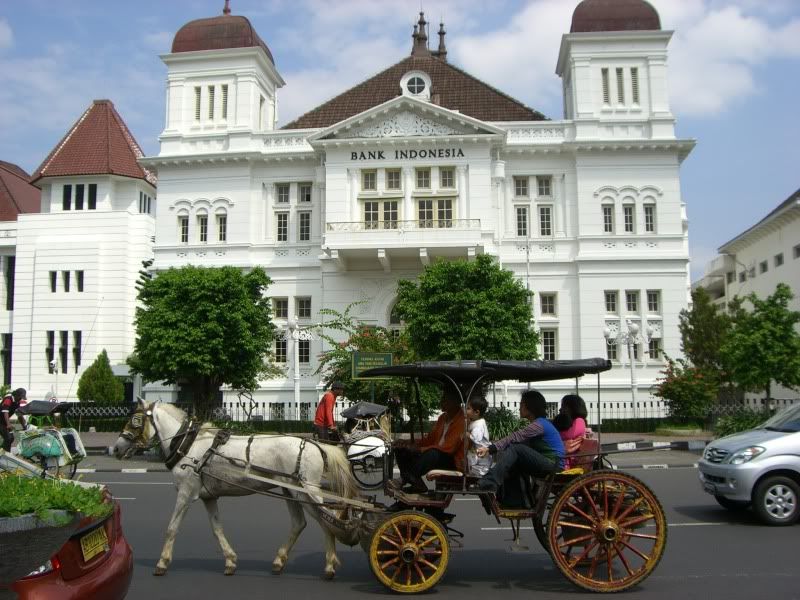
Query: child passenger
x: 478, y: 436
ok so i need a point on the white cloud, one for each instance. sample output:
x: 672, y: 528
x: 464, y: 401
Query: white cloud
x: 6, y: 35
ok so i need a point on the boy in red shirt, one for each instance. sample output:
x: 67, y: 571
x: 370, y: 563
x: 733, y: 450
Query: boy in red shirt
x: 324, y: 424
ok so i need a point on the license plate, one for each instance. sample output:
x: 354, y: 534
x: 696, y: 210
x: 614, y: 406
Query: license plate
x: 94, y: 543
x: 710, y: 488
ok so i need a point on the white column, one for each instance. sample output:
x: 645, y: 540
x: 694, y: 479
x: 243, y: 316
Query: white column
x: 463, y: 209
x: 354, y: 212
x: 559, y: 205
x: 510, y: 212
x: 268, y: 189
x: 408, y: 186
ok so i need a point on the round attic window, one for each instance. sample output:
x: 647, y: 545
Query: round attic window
x: 416, y: 85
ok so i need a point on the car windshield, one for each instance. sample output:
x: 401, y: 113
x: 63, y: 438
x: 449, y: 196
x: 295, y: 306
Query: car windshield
x: 786, y: 420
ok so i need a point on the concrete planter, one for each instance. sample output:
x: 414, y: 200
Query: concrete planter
x: 28, y: 542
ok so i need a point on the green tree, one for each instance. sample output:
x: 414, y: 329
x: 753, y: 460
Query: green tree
x: 99, y: 384
x: 764, y: 345
x: 204, y: 327
x: 345, y: 334
x: 688, y: 390
x: 703, y: 330
x: 467, y: 310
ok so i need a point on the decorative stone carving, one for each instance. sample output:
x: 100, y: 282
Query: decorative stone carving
x: 613, y: 328
x: 631, y: 244
x: 403, y: 124
x: 546, y: 247
x: 535, y: 133
x: 610, y: 245
x: 303, y: 251
x: 281, y: 253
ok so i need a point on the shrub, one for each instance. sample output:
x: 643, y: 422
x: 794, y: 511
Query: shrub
x: 99, y: 384
x: 501, y: 422
x: 25, y: 495
x: 740, y: 420
x: 688, y: 391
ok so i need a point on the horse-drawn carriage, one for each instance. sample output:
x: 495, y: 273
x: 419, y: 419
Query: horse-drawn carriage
x: 55, y: 448
x: 604, y: 529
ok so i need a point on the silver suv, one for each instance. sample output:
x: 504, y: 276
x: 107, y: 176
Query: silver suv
x: 758, y: 468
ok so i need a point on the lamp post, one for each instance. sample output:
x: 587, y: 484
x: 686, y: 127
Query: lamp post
x: 630, y: 338
x: 297, y: 333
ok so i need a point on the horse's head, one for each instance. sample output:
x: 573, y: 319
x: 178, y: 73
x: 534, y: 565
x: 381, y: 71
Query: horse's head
x: 138, y: 431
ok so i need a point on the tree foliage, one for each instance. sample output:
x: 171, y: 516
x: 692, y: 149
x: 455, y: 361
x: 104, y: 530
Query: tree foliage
x: 703, y: 330
x: 764, y: 345
x: 99, y: 384
x: 204, y: 327
x: 467, y: 310
x: 688, y: 390
x: 345, y: 334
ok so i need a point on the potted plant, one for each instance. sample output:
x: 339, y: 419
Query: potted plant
x: 37, y: 516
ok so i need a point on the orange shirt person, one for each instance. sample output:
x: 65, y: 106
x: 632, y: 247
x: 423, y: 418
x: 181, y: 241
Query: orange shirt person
x: 324, y: 424
x: 442, y: 448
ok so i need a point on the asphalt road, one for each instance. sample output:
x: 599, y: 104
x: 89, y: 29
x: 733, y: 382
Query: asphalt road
x: 711, y: 553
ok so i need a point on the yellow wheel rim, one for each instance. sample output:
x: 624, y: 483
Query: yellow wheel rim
x: 409, y: 552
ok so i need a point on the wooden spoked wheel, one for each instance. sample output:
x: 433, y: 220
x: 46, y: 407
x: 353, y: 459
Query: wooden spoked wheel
x: 409, y: 552
x: 607, y: 531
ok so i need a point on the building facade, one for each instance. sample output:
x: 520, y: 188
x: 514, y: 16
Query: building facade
x: 756, y: 261
x: 424, y: 162
x: 71, y: 261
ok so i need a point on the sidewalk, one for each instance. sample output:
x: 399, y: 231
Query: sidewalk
x: 628, y: 450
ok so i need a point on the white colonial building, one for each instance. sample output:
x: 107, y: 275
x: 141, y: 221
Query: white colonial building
x: 73, y: 255
x: 424, y: 162
x: 756, y: 261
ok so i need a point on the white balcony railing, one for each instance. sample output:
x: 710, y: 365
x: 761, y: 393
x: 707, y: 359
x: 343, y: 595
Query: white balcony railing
x: 418, y: 225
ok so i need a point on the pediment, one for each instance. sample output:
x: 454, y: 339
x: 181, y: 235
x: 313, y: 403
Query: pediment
x: 405, y: 117
x: 404, y: 124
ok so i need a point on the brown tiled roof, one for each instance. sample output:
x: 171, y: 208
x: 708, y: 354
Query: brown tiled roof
x: 614, y: 15
x: 451, y: 88
x: 16, y: 194
x: 99, y: 143
x: 218, y: 33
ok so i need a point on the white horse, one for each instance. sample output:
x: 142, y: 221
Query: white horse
x: 223, y: 473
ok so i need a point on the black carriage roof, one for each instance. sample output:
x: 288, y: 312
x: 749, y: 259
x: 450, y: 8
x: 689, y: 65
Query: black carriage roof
x: 39, y: 408
x: 364, y: 410
x: 464, y: 371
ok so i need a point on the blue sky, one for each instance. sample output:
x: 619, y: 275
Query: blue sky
x: 733, y: 75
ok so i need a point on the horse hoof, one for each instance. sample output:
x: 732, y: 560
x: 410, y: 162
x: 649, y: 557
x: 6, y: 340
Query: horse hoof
x: 277, y: 569
x: 230, y: 570
x: 159, y: 571
x: 328, y: 575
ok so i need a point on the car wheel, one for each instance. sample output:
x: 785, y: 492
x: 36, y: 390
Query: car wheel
x: 776, y: 500
x: 734, y: 505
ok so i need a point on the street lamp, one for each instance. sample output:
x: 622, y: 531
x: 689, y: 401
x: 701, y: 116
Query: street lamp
x: 297, y: 333
x: 630, y: 338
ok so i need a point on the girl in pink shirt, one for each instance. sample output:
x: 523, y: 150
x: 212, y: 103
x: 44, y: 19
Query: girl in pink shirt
x: 571, y: 424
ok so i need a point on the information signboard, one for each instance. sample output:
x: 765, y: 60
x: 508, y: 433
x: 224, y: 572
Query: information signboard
x: 370, y: 360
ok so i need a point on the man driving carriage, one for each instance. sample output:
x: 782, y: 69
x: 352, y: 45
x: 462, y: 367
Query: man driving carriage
x: 535, y: 449
x: 324, y: 424
x: 442, y: 448
x: 9, y: 405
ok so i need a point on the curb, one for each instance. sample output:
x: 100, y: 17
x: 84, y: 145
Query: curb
x: 684, y: 445
x: 128, y: 471
x: 656, y: 467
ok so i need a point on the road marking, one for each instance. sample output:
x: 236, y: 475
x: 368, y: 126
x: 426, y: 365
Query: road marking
x: 86, y: 470
x: 626, y: 446
x: 668, y: 525
x: 661, y: 466
x: 133, y: 470
x: 121, y: 498
x: 134, y: 482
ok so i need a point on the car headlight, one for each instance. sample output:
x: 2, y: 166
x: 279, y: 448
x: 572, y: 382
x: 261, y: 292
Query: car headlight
x: 745, y: 455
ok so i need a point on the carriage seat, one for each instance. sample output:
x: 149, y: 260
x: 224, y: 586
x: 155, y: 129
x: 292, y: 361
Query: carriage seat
x: 435, y: 474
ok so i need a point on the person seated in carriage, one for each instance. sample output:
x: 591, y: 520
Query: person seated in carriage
x: 535, y: 449
x: 442, y: 448
x: 571, y: 425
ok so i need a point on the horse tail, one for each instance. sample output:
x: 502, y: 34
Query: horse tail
x: 338, y: 470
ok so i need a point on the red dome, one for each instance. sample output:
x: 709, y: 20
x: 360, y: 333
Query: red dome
x: 218, y: 33
x: 614, y: 15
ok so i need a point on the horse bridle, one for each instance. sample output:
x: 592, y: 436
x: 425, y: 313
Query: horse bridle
x: 134, y: 429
